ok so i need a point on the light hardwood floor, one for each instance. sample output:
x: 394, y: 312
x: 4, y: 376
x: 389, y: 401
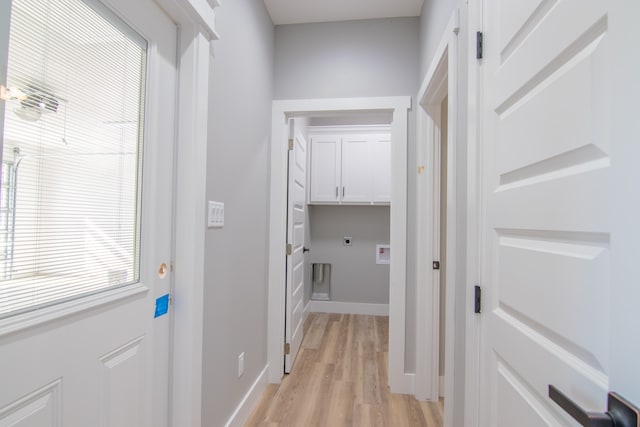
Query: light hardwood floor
x: 340, y: 379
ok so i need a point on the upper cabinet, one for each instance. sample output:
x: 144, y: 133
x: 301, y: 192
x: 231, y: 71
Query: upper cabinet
x: 325, y: 168
x: 356, y: 169
x: 350, y: 168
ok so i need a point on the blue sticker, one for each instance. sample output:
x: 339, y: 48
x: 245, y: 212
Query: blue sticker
x: 162, y: 305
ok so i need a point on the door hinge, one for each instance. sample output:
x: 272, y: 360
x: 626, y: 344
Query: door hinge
x: 290, y: 144
x: 436, y: 265
x: 479, y: 44
x: 289, y: 249
x: 287, y: 348
x: 478, y: 300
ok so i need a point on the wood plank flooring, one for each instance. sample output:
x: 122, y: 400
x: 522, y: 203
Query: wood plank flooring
x: 340, y: 379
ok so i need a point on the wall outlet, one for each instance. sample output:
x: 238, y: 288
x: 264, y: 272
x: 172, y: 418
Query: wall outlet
x: 240, y: 364
x: 347, y: 241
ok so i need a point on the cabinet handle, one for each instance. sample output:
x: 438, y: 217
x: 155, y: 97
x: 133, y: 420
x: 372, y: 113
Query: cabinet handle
x: 336, y: 192
x: 342, y: 191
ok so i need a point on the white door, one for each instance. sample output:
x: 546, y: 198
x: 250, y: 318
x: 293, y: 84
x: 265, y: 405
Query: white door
x: 80, y: 346
x: 296, y: 214
x: 325, y: 169
x: 560, y: 208
x: 356, y: 169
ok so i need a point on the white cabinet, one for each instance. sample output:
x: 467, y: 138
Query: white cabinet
x: 325, y: 168
x: 350, y: 169
x: 356, y: 165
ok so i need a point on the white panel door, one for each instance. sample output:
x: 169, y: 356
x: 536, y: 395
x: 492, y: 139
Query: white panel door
x: 380, y: 153
x: 296, y: 215
x: 325, y: 169
x: 356, y: 169
x: 560, y: 208
x: 102, y: 360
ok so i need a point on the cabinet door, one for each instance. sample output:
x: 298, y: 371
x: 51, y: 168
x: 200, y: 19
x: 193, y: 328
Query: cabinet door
x: 356, y: 166
x: 325, y: 169
x: 380, y: 155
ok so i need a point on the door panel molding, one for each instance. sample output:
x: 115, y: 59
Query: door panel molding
x: 43, y: 405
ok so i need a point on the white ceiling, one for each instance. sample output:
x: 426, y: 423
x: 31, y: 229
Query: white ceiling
x: 302, y: 11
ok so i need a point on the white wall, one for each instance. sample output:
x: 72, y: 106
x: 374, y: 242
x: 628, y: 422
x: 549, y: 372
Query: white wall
x: 356, y: 59
x: 355, y: 276
x: 235, y: 306
x: 433, y: 20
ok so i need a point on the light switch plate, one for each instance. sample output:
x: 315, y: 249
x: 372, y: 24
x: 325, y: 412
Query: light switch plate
x: 215, y: 217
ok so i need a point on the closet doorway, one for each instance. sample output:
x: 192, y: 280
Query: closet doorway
x: 338, y: 219
x: 331, y: 123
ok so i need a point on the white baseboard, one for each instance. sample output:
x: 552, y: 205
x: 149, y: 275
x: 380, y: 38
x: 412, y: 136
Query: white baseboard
x: 251, y: 399
x: 348, y: 308
x: 441, y: 386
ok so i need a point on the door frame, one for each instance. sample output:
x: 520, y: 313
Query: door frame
x: 196, y: 29
x: 441, y: 80
x: 399, y: 380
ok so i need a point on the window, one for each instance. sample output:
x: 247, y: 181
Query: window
x: 70, y: 203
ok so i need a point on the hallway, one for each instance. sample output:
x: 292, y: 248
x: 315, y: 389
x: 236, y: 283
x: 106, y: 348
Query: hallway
x: 339, y: 379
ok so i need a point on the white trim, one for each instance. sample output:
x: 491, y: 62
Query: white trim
x: 277, y: 231
x: 58, y: 311
x: 199, y: 13
x: 440, y: 81
x: 195, y: 20
x: 474, y: 219
x: 348, y: 308
x: 190, y: 202
x: 247, y: 405
x: 348, y: 129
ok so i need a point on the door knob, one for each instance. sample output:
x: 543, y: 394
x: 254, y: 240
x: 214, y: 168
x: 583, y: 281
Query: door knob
x: 305, y: 249
x: 162, y: 270
x: 620, y: 413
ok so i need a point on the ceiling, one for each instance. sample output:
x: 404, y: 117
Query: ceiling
x: 303, y: 11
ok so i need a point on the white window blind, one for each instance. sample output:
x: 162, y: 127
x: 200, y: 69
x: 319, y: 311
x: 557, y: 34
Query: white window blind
x: 71, y: 154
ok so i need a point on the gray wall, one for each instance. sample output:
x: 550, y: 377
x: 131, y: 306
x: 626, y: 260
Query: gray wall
x: 433, y: 20
x: 366, y: 58
x: 347, y: 59
x: 235, y: 298
x: 355, y: 276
